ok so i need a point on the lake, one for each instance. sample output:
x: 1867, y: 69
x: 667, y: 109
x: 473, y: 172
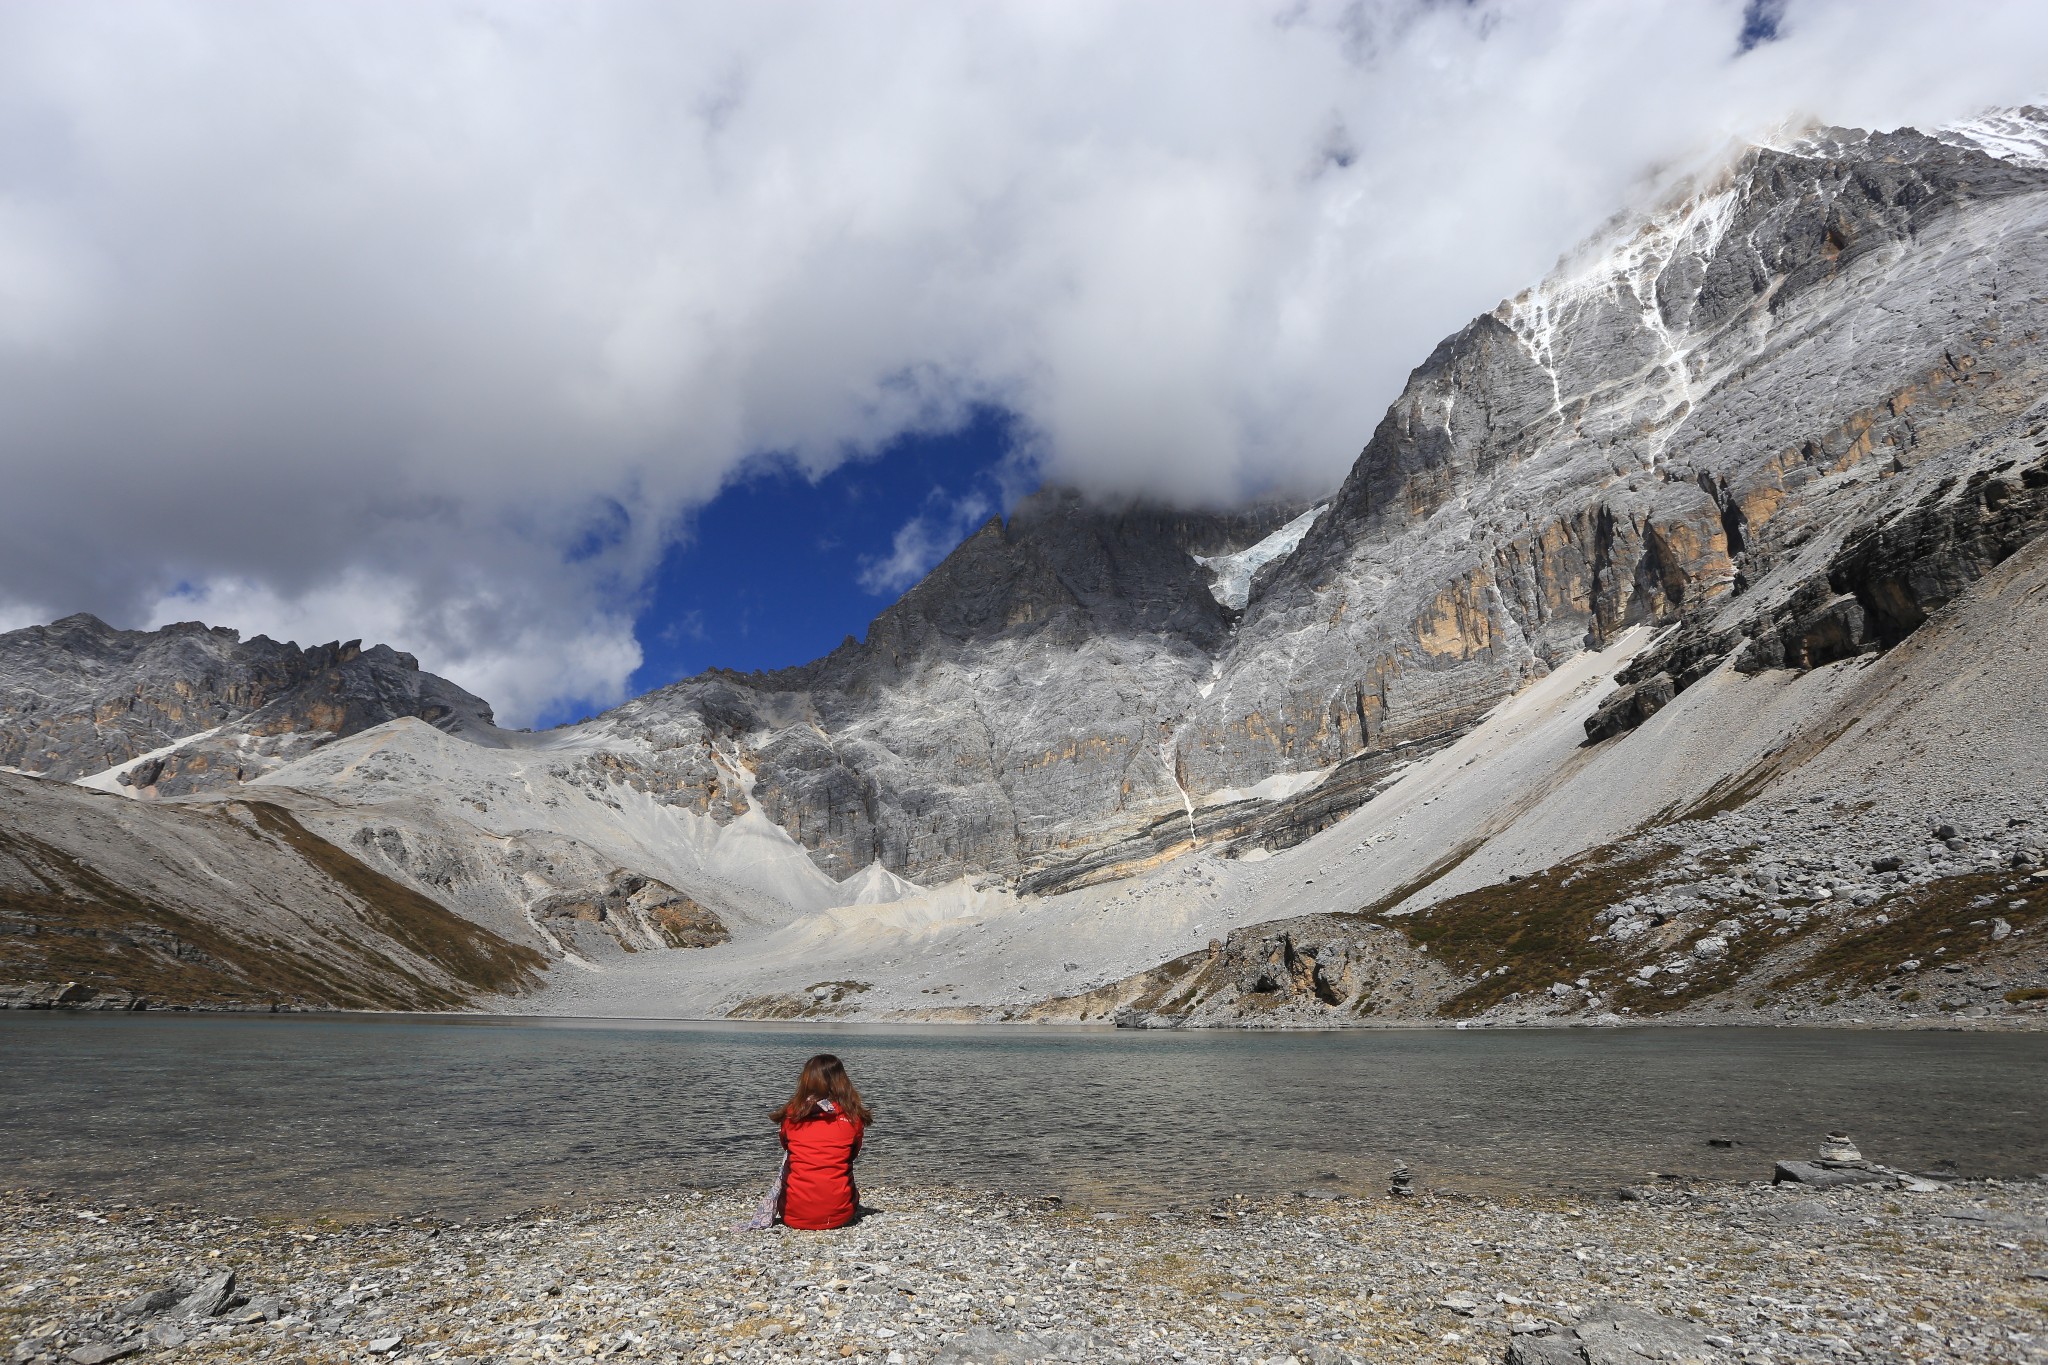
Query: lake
x: 466, y: 1117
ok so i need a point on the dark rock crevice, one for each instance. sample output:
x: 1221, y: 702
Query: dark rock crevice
x: 1892, y: 573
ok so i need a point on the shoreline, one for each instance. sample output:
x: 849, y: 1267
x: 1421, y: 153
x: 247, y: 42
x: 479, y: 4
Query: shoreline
x: 2033, y: 1020
x: 943, y: 1276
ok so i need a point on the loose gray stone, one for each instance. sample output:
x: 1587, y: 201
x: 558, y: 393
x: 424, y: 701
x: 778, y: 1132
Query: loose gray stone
x: 99, y: 1352
x: 1545, y: 1350
x: 166, y: 1335
x: 155, y: 1301
x: 1805, y: 1211
x: 1617, y: 1334
x: 209, y: 1299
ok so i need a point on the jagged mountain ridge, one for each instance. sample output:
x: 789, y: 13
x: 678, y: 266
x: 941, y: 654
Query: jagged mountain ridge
x: 1647, y: 432
x: 195, y: 708
x: 1006, y: 708
x: 1695, y: 421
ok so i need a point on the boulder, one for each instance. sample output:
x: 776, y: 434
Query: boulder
x: 1545, y: 1350
x: 1618, y: 1334
x: 1629, y: 707
x: 99, y: 1352
x: 1826, y: 1176
x: 155, y: 1301
x: 210, y: 1298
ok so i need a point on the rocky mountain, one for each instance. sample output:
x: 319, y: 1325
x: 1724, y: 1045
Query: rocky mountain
x: 1683, y: 423
x: 191, y: 708
x: 1624, y: 559
x: 1013, y: 712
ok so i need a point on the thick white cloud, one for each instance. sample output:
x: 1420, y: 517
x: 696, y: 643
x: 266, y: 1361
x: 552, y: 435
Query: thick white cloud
x: 427, y: 321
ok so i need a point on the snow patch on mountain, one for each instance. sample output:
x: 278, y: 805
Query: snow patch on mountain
x: 1234, y: 572
x: 2016, y: 135
x: 1619, y: 267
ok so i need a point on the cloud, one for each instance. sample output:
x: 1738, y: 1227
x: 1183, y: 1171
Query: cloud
x: 925, y: 539
x: 431, y: 321
x: 522, y: 654
x: 15, y: 615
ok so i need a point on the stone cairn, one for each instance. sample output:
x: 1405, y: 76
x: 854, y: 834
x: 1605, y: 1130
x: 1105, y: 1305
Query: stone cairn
x: 1838, y: 1147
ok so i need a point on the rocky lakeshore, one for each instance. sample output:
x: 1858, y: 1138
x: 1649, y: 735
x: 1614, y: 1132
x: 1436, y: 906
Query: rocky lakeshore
x: 1943, y: 1271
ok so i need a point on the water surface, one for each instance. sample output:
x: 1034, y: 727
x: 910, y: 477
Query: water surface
x: 465, y: 1117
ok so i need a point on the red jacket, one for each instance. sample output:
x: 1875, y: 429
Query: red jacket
x: 819, y: 1193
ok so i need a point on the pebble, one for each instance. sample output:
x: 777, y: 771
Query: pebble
x: 945, y: 1277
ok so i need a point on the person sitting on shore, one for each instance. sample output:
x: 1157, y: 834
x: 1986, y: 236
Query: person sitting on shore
x: 821, y: 1130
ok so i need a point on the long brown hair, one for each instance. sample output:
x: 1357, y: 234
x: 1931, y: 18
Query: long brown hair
x: 824, y: 1078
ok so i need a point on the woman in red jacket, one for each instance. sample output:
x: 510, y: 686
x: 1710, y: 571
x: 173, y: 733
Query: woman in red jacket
x: 821, y: 1129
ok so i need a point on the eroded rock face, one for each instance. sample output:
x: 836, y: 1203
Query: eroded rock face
x: 1895, y: 569
x: 1013, y: 708
x: 1659, y: 429
x: 78, y: 697
x: 1683, y: 425
x: 628, y: 913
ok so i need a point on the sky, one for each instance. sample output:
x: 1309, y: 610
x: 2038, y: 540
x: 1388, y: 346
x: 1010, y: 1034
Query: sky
x: 781, y: 567
x: 577, y: 347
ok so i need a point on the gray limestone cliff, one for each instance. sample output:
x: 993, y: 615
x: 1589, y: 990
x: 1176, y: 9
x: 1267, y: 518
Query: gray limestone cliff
x: 1710, y: 409
x: 78, y: 697
x: 1015, y: 705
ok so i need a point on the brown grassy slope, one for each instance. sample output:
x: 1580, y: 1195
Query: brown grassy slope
x: 1945, y: 921
x: 468, y: 952
x: 223, y: 905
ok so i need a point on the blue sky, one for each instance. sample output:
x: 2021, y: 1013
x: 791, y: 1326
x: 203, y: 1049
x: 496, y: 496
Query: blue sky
x: 778, y: 569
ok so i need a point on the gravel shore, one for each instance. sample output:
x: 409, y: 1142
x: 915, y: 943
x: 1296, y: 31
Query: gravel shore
x: 1752, y: 1273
